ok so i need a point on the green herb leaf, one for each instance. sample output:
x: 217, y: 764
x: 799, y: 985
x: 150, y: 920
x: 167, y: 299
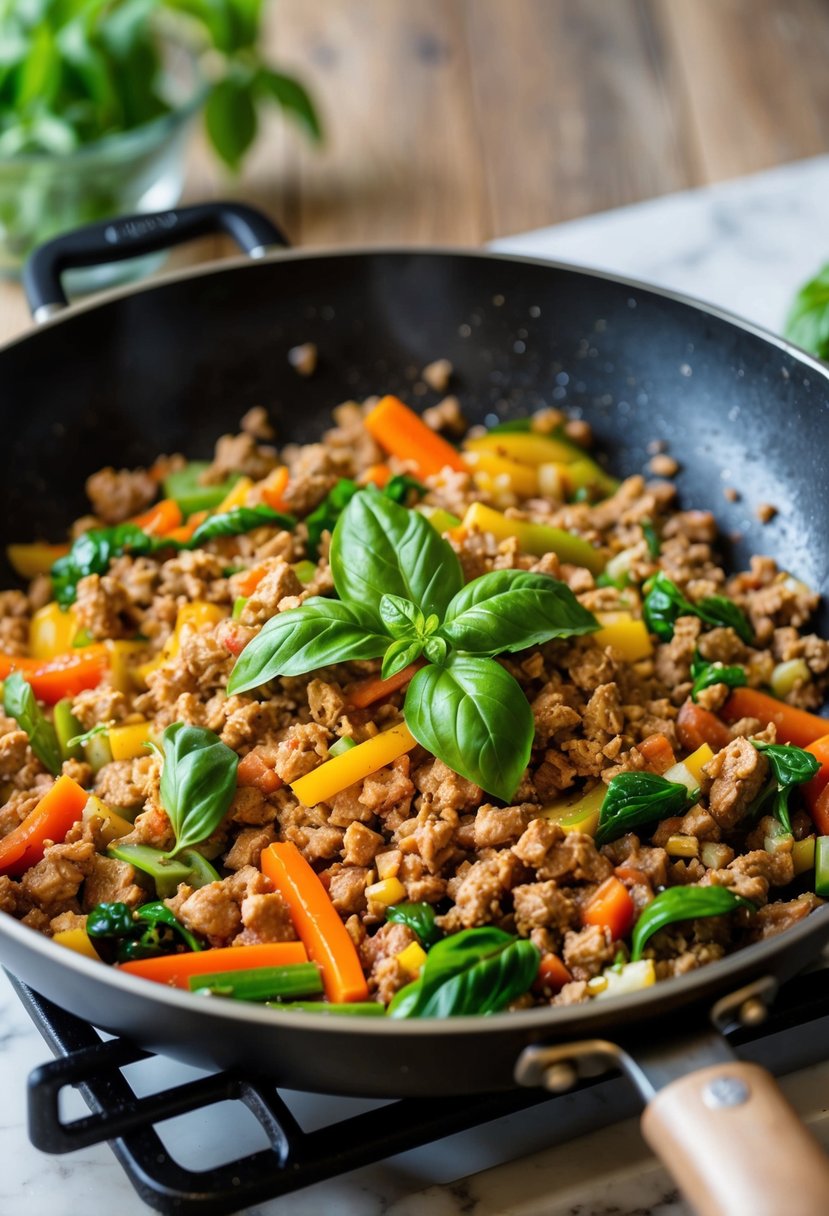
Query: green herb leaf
x: 318, y: 633
x: 476, y: 971
x: 231, y: 119
x: 420, y: 918
x: 509, y: 610
x: 293, y: 98
x: 401, y: 618
x: 100, y: 728
x: 474, y: 716
x: 634, y: 800
x: 380, y: 548
x: 20, y: 703
x: 664, y: 603
x: 397, y: 489
x: 158, y: 913
x: 682, y: 903
x: 400, y: 654
x: 717, y: 610
x: 91, y: 553
x: 651, y: 539
x: 403, y: 489
x: 236, y: 521
x: 791, y: 766
x: 198, y: 782
x: 808, y: 321
x: 110, y: 920
x: 705, y: 675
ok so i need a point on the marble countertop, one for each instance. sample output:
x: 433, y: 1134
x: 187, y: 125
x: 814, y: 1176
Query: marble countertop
x: 744, y: 245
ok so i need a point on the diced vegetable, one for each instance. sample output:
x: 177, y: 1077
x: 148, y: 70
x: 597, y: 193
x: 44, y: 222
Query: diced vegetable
x: 537, y: 539
x: 67, y: 727
x: 77, y: 940
x: 787, y: 675
x: 632, y: 977
x: 30, y: 560
x: 114, y: 826
x: 611, y: 907
x: 793, y: 725
x: 185, y: 532
x: 192, y: 618
x: 657, y: 751
x: 57, y: 811
x: 316, y: 920
x: 185, y: 487
x: 342, y: 745
x: 695, y: 726
x: 366, y: 692
x: 419, y: 917
x: 822, y: 867
x: 63, y: 676
x: 305, y: 571
x: 697, y: 760
x: 629, y: 637
x: 376, y: 475
x: 273, y: 487
x: 254, y: 770
x: 97, y: 751
x: 238, y: 606
x: 177, y: 969
x: 577, y: 813
x: 357, y: 1009
x: 235, y: 497
x: 803, y: 855
x: 492, y: 473
x: 260, y: 983
x: 121, y: 663
x: 366, y: 758
x: 441, y: 520
x: 51, y: 631
x: 412, y: 959
x: 127, y: 742
x: 402, y: 433
x: 778, y: 838
x: 678, y: 845
x: 386, y: 892
x: 552, y: 973
x: 820, y: 812
x: 160, y: 519
x: 814, y: 788
x: 188, y: 866
x: 584, y: 474
x: 715, y: 856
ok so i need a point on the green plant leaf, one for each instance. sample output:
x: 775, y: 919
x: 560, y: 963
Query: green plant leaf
x: 509, y: 610
x: 380, y: 548
x: 420, y: 918
x: 198, y: 782
x: 235, y: 522
x: 705, y: 675
x: 293, y: 99
x: 808, y: 321
x: 682, y: 903
x: 717, y: 610
x: 473, y: 716
x: 318, y: 633
x: 634, y: 800
x: 790, y: 764
x: 20, y: 703
x: 401, y: 618
x: 231, y: 120
x: 664, y: 603
x: 399, y: 655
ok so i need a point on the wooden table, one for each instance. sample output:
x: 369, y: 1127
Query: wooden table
x: 455, y: 121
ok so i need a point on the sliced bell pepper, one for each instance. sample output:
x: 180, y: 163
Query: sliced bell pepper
x: 79, y: 941
x: 237, y: 497
x: 127, y: 742
x: 402, y: 433
x: 160, y: 519
x: 793, y: 725
x: 337, y: 774
x: 527, y: 447
x: 491, y: 471
x: 50, y: 820
x: 273, y: 487
x: 611, y: 907
x: 537, y: 539
x: 65, y: 675
x: 51, y: 631
x: 552, y: 973
x: 579, y: 813
x: 627, y: 636
x: 38, y: 558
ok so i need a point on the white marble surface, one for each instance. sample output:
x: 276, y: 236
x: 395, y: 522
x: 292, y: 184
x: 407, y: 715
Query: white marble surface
x: 744, y: 245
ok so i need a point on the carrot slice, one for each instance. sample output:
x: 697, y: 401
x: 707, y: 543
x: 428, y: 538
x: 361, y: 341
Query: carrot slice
x: 365, y: 692
x: 611, y: 907
x: 184, y: 533
x: 813, y: 789
x: 552, y: 973
x: 176, y: 969
x: 273, y: 488
x: 317, y: 922
x: 249, y: 581
x: 402, y: 433
x: 160, y: 519
x: 793, y: 725
x: 376, y: 475
x: 658, y: 753
x: 50, y: 820
x: 65, y: 675
x: 254, y: 770
x: 695, y: 726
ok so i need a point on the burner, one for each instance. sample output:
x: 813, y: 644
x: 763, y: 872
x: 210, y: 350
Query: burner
x: 298, y: 1155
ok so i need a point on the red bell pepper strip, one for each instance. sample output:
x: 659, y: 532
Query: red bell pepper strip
x: 63, y: 676
x: 50, y: 820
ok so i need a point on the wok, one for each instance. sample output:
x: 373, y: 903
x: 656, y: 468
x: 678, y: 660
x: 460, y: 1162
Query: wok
x: 169, y: 365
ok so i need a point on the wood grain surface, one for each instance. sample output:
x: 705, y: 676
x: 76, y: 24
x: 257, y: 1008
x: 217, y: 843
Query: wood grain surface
x: 455, y: 121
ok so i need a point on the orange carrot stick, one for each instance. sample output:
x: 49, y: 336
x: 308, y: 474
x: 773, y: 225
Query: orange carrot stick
x: 402, y: 433
x: 317, y: 922
x: 65, y: 675
x: 365, y: 692
x: 160, y: 519
x: 658, y: 753
x: 695, y: 726
x: 611, y: 907
x: 51, y: 819
x: 273, y: 488
x: 813, y: 789
x: 377, y: 475
x: 820, y: 812
x: 793, y: 725
x: 176, y: 969
x: 184, y: 533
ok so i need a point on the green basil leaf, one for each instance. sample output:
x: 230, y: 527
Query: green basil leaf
x: 380, y: 548
x: 808, y: 321
x: 664, y: 603
x: 293, y: 98
x: 198, y: 782
x: 319, y: 632
x: 651, y: 539
x: 420, y: 918
x: 634, y: 800
x: 230, y: 116
x: 705, y: 675
x: 403, y: 489
x: 400, y: 654
x: 157, y: 912
x: 92, y: 552
x: 110, y: 920
x: 682, y: 903
x: 717, y: 610
x: 436, y: 649
x: 401, y: 617
x: 509, y: 610
x: 473, y: 716
x: 324, y: 517
x: 20, y: 703
x: 791, y: 765
x: 236, y: 521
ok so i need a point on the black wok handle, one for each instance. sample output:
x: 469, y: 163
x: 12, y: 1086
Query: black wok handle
x: 132, y: 236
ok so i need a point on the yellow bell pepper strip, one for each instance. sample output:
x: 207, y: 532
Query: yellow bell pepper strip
x: 65, y: 675
x: 627, y: 636
x: 121, y: 664
x: 493, y: 472
x: 176, y: 969
x: 30, y: 560
x: 77, y: 940
x: 585, y: 474
x: 50, y: 820
x: 402, y: 433
x: 793, y: 725
x: 237, y: 497
x: 579, y: 813
x: 113, y: 826
x: 537, y: 539
x: 526, y: 447
x: 127, y: 742
x: 360, y: 761
x: 191, y: 618
x: 697, y: 760
x: 51, y: 631
x: 803, y: 855
x: 317, y: 922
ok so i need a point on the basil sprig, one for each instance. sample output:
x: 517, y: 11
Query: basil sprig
x: 402, y: 597
x: 664, y: 603
x: 682, y: 903
x: 399, y: 488
x: 475, y: 971
x: 705, y: 675
x: 147, y: 932
x: 808, y: 321
x: 420, y: 918
x: 790, y: 766
x: 20, y: 703
x: 634, y: 800
x: 198, y: 782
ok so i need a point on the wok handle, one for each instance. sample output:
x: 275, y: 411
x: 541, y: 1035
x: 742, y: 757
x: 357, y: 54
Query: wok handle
x: 735, y: 1146
x: 132, y: 236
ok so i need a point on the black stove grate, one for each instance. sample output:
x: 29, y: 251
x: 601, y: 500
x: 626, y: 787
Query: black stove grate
x: 297, y: 1158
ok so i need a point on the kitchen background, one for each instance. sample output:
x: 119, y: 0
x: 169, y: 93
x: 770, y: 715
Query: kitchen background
x: 455, y: 122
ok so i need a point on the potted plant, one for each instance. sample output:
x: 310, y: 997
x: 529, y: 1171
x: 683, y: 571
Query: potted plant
x: 97, y: 98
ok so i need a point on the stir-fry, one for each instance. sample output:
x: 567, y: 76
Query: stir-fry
x: 407, y: 723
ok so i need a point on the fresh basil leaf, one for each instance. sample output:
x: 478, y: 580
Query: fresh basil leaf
x: 110, y: 920
x: 20, y: 703
x: 717, y: 610
x: 436, y: 649
x: 473, y: 716
x: 402, y: 489
x: 198, y: 782
x: 401, y: 617
x: 420, y: 918
x: 808, y: 321
x: 380, y: 548
x: 651, y: 539
x: 92, y: 552
x: 634, y: 800
x: 319, y: 632
x: 324, y: 517
x: 509, y: 610
x: 144, y: 933
x: 682, y: 903
x: 621, y: 582
x: 664, y: 603
x: 477, y: 971
x: 158, y: 912
x: 791, y: 765
x: 705, y: 675
x: 292, y: 97
x: 400, y: 654
x: 236, y: 521
x: 231, y: 119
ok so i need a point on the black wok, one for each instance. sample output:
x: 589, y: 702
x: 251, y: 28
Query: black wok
x: 170, y: 365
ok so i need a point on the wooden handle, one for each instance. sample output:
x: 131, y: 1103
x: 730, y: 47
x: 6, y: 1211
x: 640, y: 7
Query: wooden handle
x: 735, y: 1146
